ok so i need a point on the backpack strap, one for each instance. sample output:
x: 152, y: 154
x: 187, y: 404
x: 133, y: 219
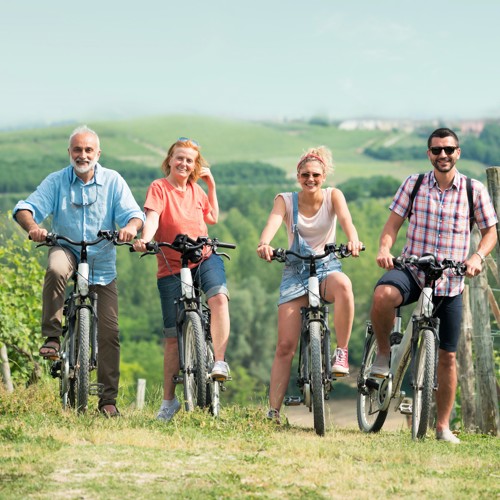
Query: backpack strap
x: 470, y: 198
x: 471, y: 202
x: 420, y: 178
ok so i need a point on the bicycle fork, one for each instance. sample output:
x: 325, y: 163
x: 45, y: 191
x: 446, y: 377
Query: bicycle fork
x: 420, y: 324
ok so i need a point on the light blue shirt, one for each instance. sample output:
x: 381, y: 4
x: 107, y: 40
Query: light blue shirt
x: 80, y: 210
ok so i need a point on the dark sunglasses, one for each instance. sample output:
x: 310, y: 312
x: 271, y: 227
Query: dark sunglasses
x: 449, y: 150
x: 187, y: 139
x: 306, y: 175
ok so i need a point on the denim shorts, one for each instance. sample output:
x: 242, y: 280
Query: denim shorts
x: 209, y: 276
x: 447, y: 309
x: 296, y: 275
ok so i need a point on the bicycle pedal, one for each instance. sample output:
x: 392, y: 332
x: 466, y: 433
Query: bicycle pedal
x: 178, y: 379
x: 293, y: 401
x: 372, y: 384
x: 406, y: 407
x: 55, y: 370
x: 339, y: 375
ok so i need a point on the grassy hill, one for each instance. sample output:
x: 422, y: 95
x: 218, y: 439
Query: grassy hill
x: 27, y: 156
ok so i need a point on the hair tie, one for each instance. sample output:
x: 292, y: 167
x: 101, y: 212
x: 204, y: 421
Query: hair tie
x: 310, y: 155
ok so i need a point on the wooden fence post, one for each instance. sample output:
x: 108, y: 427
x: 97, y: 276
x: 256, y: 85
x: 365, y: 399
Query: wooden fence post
x: 493, y: 180
x: 5, y: 369
x: 465, y: 367
x: 486, y: 394
x: 141, y: 393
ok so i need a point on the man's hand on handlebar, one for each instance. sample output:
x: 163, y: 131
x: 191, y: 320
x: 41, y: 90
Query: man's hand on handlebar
x: 37, y: 234
x: 385, y: 259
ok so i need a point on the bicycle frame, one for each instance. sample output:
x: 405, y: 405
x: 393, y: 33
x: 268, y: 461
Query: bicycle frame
x: 193, y: 322
x: 418, y: 345
x: 315, y: 375
x: 68, y: 366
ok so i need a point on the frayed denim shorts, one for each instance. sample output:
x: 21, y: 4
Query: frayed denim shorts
x: 296, y: 275
x: 210, y: 277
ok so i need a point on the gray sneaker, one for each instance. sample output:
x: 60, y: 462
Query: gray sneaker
x: 220, y: 371
x: 274, y: 416
x: 447, y: 435
x: 380, y: 366
x: 167, y: 413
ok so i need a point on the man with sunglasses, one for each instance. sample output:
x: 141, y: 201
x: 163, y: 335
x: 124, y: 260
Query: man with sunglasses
x: 440, y: 225
x: 82, y: 199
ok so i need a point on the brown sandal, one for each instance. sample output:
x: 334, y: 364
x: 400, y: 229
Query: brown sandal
x: 54, y: 345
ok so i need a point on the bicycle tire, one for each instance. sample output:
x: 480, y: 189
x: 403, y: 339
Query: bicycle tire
x: 370, y: 417
x: 195, y: 363
x: 64, y: 383
x: 213, y: 392
x: 81, y: 369
x: 317, y: 387
x: 423, y: 384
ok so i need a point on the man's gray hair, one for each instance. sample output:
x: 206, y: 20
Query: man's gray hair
x: 83, y: 129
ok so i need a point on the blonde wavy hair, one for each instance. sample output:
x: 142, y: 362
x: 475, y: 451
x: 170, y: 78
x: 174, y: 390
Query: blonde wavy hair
x: 322, y: 155
x: 200, y: 162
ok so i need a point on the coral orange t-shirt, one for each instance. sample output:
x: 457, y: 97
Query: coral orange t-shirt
x: 181, y: 212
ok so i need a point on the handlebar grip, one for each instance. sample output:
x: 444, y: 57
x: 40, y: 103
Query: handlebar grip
x: 226, y: 245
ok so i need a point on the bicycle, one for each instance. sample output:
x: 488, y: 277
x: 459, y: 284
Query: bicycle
x: 77, y: 357
x: 314, y: 372
x: 417, y: 346
x: 196, y: 353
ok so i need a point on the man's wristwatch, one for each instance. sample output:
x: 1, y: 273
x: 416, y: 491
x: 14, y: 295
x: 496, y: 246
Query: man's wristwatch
x: 481, y: 256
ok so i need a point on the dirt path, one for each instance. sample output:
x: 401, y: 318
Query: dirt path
x: 341, y: 413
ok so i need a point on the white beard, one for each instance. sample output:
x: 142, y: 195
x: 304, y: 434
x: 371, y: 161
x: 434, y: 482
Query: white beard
x: 83, y: 169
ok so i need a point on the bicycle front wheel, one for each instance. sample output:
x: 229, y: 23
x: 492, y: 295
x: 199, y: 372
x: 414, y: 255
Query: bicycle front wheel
x: 195, y: 363
x: 370, y: 393
x: 423, y: 384
x: 79, y: 384
x: 317, y: 389
x: 213, y: 401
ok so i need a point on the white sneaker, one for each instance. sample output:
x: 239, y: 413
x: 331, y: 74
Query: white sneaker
x: 167, y: 413
x: 447, y: 435
x: 220, y: 371
x: 380, y: 367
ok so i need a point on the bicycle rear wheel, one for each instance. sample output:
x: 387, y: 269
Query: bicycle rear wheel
x: 195, y: 364
x: 317, y: 389
x: 370, y: 417
x: 423, y: 384
x: 79, y: 384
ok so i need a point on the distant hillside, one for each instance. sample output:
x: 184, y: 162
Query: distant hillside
x: 137, y: 147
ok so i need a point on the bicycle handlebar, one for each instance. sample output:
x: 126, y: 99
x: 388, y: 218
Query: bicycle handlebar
x: 189, y: 247
x: 429, y: 264
x: 52, y: 238
x: 340, y: 251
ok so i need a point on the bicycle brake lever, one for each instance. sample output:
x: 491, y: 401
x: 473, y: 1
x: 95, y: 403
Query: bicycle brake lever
x: 223, y: 254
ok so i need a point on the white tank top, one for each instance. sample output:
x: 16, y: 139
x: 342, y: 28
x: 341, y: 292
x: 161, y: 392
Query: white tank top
x: 316, y: 230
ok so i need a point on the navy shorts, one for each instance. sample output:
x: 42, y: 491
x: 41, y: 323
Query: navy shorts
x: 210, y: 277
x: 447, y: 309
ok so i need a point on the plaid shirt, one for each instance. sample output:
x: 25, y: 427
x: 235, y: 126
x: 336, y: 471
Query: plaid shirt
x: 439, y: 223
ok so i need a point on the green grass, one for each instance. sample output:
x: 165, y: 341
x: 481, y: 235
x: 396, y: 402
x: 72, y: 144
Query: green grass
x: 45, y: 453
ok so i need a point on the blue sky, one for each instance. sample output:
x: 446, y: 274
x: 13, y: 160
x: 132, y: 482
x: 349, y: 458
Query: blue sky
x: 253, y: 60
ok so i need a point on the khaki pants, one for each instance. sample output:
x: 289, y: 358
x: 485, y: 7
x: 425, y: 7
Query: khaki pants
x: 60, y: 267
